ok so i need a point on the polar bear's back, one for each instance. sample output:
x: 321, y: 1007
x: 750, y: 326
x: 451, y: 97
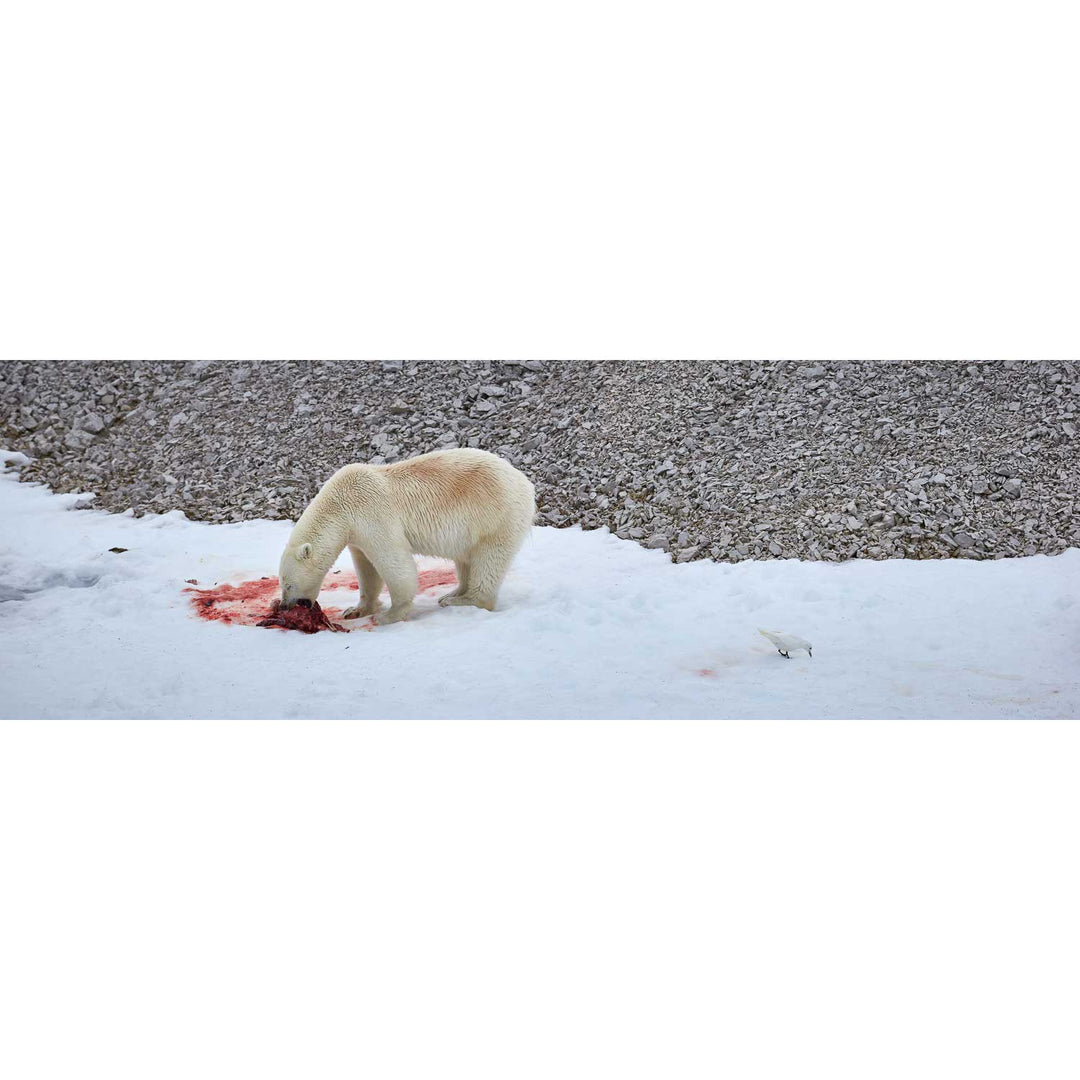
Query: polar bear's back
x: 463, y: 478
x: 447, y: 501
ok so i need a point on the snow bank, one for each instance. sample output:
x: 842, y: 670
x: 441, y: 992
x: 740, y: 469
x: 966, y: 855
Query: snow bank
x: 588, y: 626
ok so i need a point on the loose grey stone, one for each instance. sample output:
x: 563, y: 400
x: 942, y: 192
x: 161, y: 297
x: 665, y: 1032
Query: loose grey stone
x: 92, y: 422
x: 78, y: 439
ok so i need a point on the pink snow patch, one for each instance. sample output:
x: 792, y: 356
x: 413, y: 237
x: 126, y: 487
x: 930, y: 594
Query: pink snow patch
x: 247, y: 603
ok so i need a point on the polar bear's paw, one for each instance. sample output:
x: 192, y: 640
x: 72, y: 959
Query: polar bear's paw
x: 455, y: 600
x: 361, y: 611
x: 392, y: 615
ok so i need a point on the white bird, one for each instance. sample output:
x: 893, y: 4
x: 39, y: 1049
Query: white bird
x: 786, y: 642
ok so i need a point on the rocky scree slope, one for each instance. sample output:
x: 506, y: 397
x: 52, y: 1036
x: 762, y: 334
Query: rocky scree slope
x: 725, y: 460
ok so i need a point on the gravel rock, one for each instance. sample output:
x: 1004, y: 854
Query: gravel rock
x: 78, y: 439
x: 728, y: 460
x: 92, y: 422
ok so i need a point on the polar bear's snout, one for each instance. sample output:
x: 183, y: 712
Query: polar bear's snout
x: 294, y: 596
x: 302, y: 602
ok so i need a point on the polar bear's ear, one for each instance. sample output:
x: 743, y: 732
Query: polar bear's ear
x: 303, y: 551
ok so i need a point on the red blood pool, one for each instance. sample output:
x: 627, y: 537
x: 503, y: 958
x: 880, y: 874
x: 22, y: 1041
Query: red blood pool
x: 244, y: 604
x: 432, y: 579
x: 706, y: 672
x: 428, y: 579
x: 255, y: 603
x: 346, y: 582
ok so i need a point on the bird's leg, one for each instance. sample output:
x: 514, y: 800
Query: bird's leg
x: 786, y: 656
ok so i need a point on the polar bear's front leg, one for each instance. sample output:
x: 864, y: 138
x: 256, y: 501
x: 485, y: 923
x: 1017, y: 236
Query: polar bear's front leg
x: 371, y: 584
x: 398, y: 567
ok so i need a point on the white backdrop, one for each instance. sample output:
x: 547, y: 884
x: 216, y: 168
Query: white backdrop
x: 588, y: 178
x: 512, y: 900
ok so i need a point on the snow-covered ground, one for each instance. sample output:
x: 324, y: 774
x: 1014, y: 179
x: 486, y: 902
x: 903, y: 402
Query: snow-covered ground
x: 588, y: 626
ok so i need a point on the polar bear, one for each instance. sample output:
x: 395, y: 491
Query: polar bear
x: 461, y: 504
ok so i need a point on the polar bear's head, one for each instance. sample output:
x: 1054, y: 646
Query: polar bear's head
x: 300, y: 577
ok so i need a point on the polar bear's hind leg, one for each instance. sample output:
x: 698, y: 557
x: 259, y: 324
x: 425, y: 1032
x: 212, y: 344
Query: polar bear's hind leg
x: 461, y: 569
x: 487, y: 566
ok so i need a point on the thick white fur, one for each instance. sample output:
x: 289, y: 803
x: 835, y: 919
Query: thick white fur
x: 463, y: 504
